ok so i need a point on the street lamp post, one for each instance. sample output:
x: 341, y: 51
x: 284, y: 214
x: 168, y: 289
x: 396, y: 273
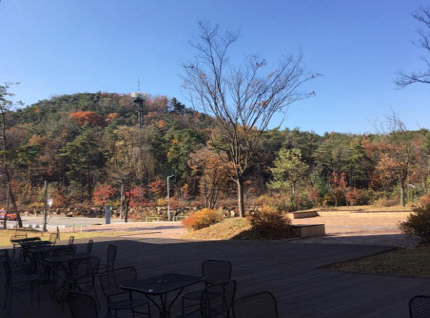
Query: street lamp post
x: 45, y: 207
x: 138, y: 99
x: 168, y: 196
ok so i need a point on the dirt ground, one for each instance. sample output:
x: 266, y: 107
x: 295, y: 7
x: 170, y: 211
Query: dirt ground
x: 352, y: 227
x: 342, y: 227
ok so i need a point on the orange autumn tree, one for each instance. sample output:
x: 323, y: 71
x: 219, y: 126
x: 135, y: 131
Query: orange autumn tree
x: 213, y: 172
x: 87, y: 117
x: 399, y: 156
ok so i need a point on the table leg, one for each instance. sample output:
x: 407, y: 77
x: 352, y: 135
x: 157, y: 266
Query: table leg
x: 164, y: 305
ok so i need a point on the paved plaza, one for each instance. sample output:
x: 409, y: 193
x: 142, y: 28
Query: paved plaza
x: 293, y: 270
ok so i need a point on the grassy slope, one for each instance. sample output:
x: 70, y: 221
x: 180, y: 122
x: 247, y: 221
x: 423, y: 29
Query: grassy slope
x: 225, y: 230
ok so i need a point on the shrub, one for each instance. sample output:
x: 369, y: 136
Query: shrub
x: 329, y: 200
x: 418, y: 223
x: 162, y: 202
x: 270, y: 224
x: 201, y: 219
x: 386, y: 202
x: 264, y: 200
x: 425, y: 199
x: 352, y: 196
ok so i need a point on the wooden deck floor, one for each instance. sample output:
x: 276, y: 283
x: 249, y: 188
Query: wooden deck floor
x: 290, y: 270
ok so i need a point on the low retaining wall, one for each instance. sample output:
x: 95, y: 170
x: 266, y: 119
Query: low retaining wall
x: 309, y: 230
x: 365, y: 214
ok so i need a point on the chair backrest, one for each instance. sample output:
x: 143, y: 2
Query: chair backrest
x: 217, y: 300
x: 65, y: 250
x: 262, y: 304
x: 111, y: 256
x: 90, y: 246
x: 53, y: 237
x: 82, y: 305
x: 19, y: 236
x: 113, y: 279
x: 419, y: 306
x: 71, y: 240
x: 216, y: 271
x: 90, y: 266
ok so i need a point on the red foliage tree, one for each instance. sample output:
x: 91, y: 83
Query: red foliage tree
x: 157, y: 188
x: 138, y: 197
x: 338, y: 183
x: 102, y: 194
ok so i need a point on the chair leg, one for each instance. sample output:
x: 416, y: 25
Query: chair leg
x: 5, y: 297
x: 10, y: 301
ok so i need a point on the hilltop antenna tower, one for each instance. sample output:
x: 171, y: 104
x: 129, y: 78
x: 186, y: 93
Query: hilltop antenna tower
x: 138, y: 99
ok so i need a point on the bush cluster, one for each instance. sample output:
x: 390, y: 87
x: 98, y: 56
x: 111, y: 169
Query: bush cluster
x: 270, y: 224
x: 418, y: 223
x: 201, y: 219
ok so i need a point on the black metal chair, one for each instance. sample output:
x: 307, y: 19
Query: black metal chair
x: 64, y: 250
x: 215, y: 272
x: 71, y: 240
x: 215, y: 301
x: 15, y: 267
x: 419, y: 306
x: 53, y: 237
x: 90, y: 246
x: 117, y: 298
x: 110, y: 259
x: 82, y: 305
x: 81, y: 275
x: 262, y: 304
x: 54, y: 271
x: 15, y: 282
x: 16, y: 244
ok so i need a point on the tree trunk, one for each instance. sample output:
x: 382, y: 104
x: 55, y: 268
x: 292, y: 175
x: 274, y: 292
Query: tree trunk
x: 7, y: 206
x: 240, y: 197
x: 15, y: 207
x: 293, y: 192
x: 402, y: 194
x: 121, y: 206
x: 127, y: 202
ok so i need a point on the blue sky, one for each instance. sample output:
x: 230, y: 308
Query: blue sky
x: 58, y: 47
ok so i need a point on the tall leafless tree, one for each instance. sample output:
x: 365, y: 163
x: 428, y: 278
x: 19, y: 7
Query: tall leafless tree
x: 243, y: 99
x: 406, y: 78
x: 5, y: 159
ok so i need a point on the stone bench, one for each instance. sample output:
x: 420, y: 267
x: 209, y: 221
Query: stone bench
x: 305, y: 214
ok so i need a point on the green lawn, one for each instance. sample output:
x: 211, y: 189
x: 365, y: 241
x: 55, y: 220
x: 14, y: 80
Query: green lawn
x: 411, y: 261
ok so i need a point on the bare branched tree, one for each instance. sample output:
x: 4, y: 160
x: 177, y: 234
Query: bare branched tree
x: 242, y: 99
x: 404, y: 78
x: 399, y: 154
x: 5, y: 160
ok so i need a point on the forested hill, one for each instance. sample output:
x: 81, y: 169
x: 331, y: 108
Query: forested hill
x: 87, y: 145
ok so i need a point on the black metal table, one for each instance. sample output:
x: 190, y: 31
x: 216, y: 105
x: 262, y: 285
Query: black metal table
x: 27, y: 245
x: 160, y: 286
x: 23, y: 240
x: 66, y: 263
